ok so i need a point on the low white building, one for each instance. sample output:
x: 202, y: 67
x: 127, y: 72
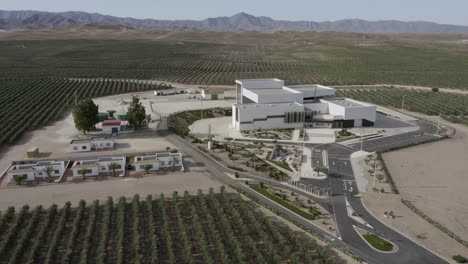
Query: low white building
x: 35, y: 170
x: 212, y: 95
x: 96, y: 167
x: 97, y: 143
x: 111, y: 126
x: 263, y: 104
x: 157, y: 161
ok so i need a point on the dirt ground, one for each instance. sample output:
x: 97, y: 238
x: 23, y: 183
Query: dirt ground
x: 53, y: 140
x: 100, y: 190
x: 434, y: 178
x: 410, y: 224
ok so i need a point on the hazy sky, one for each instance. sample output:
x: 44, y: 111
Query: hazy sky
x: 441, y: 11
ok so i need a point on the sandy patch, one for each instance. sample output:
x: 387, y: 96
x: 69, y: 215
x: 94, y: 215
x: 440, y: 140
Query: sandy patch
x: 92, y: 190
x: 411, y: 224
x: 435, y: 178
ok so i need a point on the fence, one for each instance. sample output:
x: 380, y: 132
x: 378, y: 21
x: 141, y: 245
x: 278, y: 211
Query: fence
x: 317, y: 191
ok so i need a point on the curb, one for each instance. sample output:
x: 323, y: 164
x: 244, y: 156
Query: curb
x: 401, y: 233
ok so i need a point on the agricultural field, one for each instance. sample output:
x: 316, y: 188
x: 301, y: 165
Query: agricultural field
x: 30, y: 103
x: 205, y: 228
x: 38, y: 78
x: 452, y: 107
x: 301, y: 61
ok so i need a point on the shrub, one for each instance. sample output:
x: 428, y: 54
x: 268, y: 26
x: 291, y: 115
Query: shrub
x: 460, y: 259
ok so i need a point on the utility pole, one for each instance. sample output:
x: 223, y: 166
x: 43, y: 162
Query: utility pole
x: 438, y: 123
x: 201, y: 108
x: 375, y: 171
x: 403, y: 103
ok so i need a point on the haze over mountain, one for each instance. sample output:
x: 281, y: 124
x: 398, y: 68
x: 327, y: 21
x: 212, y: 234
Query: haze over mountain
x: 37, y: 20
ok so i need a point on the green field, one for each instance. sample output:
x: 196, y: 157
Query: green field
x: 36, y: 86
x: 453, y: 107
x: 297, y: 61
x: 205, y: 228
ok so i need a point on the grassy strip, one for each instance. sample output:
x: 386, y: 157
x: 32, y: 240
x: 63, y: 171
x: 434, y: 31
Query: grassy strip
x: 236, y: 168
x: 282, y: 164
x: 435, y: 223
x: 263, y: 191
x: 387, y: 174
x: 378, y: 243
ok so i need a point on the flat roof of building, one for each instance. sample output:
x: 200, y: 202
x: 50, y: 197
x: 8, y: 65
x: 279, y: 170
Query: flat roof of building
x: 111, y: 123
x: 268, y: 91
x: 74, y: 141
x: 253, y: 106
x: 14, y: 170
x: 309, y: 87
x: 345, y: 102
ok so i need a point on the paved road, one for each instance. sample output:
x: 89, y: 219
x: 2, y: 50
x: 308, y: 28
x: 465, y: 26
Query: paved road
x: 340, y: 181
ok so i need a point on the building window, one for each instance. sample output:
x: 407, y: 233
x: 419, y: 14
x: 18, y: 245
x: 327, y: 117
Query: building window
x: 162, y: 163
x: 103, y: 168
x: 40, y: 173
x: 83, y: 147
x: 107, y: 144
x: 56, y: 171
x: 75, y: 148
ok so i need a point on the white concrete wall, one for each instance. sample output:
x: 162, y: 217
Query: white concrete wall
x: 140, y: 167
x: 109, y: 128
x: 79, y: 147
x: 249, y: 94
x: 280, y: 98
x: 40, y: 170
x: 261, y: 83
x: 321, y: 108
x: 104, y: 166
x: 364, y: 112
x: 248, y: 114
x: 336, y: 110
x: 94, y: 171
x: 29, y: 176
x: 102, y: 144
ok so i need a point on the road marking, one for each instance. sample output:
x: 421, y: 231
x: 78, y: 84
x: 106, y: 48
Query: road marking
x: 325, y: 158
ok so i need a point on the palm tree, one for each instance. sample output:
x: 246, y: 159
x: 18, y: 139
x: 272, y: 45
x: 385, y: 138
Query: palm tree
x: 318, y: 169
x: 113, y: 167
x: 147, y: 168
x: 83, y: 173
x: 175, y: 160
x: 48, y: 171
x: 19, y: 179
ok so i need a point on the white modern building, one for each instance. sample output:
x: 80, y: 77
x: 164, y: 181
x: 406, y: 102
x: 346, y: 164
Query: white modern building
x: 157, y: 161
x: 97, y: 143
x: 96, y: 167
x: 36, y: 170
x: 269, y: 104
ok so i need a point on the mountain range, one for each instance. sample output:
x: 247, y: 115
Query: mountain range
x: 38, y: 20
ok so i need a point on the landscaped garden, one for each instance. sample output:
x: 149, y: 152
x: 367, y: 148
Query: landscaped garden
x: 378, y: 242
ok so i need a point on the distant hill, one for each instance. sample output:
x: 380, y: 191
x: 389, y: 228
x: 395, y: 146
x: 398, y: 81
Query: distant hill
x: 31, y: 20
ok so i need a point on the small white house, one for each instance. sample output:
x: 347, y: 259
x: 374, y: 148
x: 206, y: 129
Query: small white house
x: 96, y: 167
x: 83, y: 145
x: 212, y: 95
x: 158, y: 161
x: 36, y: 170
x: 111, y: 126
